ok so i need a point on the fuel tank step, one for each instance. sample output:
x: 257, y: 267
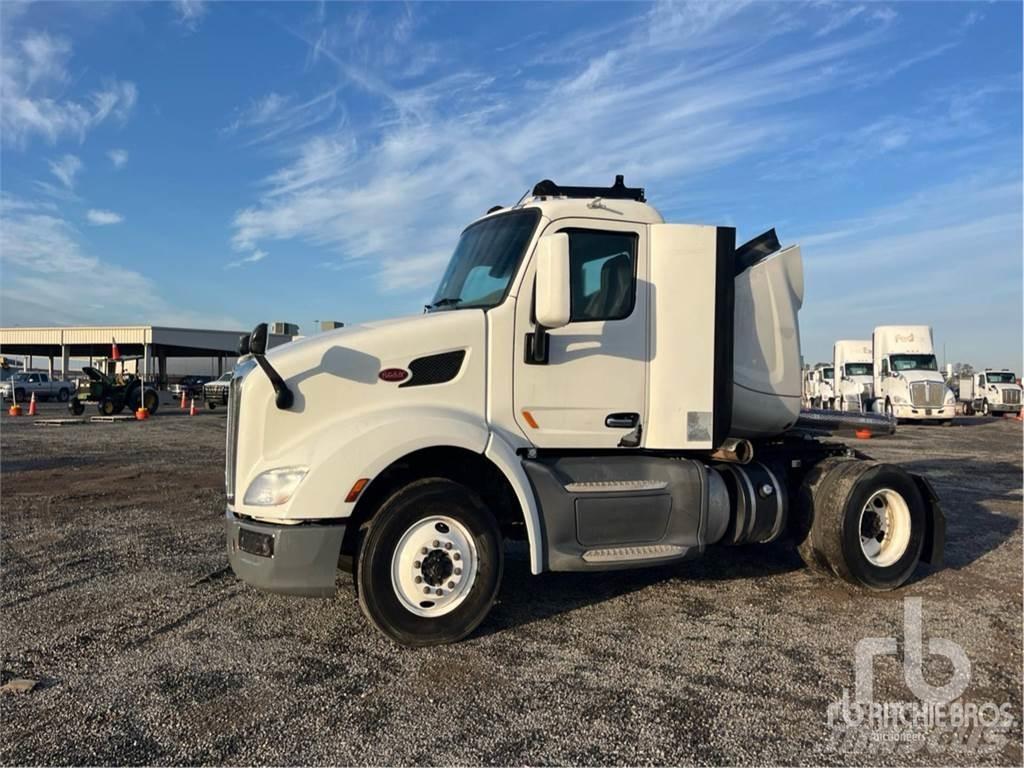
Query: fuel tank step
x: 616, y: 486
x: 632, y: 554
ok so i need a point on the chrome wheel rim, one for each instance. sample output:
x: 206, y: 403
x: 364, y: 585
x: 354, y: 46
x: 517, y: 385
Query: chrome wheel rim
x: 884, y: 527
x: 434, y: 566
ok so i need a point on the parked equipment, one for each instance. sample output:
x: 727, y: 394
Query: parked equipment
x: 907, y: 381
x: 111, y: 394
x: 854, y: 384
x: 992, y: 393
x: 819, y: 387
x: 614, y: 390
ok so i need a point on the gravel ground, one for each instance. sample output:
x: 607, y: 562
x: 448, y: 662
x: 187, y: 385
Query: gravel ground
x: 117, y: 598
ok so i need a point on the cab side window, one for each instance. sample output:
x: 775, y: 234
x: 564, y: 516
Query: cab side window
x: 602, y: 269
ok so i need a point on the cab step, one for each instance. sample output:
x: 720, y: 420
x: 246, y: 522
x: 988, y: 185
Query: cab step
x: 616, y: 486
x: 632, y: 554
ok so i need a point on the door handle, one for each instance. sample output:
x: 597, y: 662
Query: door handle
x: 622, y: 420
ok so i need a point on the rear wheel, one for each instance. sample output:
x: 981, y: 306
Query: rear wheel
x: 430, y: 564
x: 863, y: 521
x: 19, y: 395
x: 106, y: 407
x: 63, y: 395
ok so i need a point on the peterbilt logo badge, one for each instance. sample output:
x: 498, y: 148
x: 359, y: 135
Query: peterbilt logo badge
x: 393, y: 374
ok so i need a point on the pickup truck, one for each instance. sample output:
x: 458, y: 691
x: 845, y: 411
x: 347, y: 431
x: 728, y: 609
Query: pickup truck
x: 23, y: 385
x: 216, y: 392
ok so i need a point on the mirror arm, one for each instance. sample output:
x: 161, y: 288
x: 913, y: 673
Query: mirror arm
x: 283, y: 396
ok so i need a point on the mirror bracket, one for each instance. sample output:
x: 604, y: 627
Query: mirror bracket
x: 536, y: 346
x: 283, y: 397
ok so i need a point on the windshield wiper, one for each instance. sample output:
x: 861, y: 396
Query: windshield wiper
x: 449, y: 301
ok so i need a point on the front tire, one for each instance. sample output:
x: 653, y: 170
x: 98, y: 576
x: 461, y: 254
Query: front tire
x: 985, y: 410
x: 430, y: 564
x: 863, y: 521
x: 76, y: 407
x: 106, y: 407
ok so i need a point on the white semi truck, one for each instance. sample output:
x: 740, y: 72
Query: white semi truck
x: 819, y: 389
x: 992, y: 393
x: 612, y: 389
x: 853, y: 380
x: 907, y: 382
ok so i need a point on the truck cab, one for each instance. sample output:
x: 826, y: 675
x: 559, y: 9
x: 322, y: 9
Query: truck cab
x: 854, y: 380
x: 907, y: 382
x: 820, y: 387
x: 588, y: 379
x: 991, y: 392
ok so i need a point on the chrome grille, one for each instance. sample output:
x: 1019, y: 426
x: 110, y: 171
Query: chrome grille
x: 927, y: 394
x: 1011, y: 396
x: 231, y: 449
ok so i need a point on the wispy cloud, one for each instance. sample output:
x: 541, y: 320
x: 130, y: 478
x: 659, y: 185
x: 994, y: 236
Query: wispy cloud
x: 673, y: 98
x: 66, y: 169
x: 33, y: 81
x: 119, y: 157
x: 252, y: 258
x: 190, y: 13
x: 99, y: 218
x: 277, y: 116
x: 49, y: 274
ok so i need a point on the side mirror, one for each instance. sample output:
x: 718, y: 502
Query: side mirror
x: 243, y: 345
x: 552, y: 307
x: 258, y: 340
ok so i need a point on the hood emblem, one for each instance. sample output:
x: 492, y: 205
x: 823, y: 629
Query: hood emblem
x: 393, y: 374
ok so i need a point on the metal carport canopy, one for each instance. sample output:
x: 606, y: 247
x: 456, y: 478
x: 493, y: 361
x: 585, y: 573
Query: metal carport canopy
x: 95, y: 341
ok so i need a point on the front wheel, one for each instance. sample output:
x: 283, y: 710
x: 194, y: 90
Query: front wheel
x: 430, y: 564
x: 77, y: 407
x: 106, y: 407
x: 985, y: 410
x: 864, y: 521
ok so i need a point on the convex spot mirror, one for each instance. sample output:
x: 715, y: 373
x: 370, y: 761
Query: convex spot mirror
x: 553, y: 303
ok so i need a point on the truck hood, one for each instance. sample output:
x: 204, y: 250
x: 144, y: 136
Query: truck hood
x: 339, y: 391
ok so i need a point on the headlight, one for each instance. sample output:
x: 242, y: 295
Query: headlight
x: 274, y: 487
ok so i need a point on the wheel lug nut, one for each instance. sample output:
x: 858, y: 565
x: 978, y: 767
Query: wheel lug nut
x: 423, y: 550
x: 451, y: 585
x: 416, y: 564
x: 456, y: 556
x: 458, y: 571
x: 419, y: 579
x: 447, y: 545
x: 439, y: 593
x: 426, y: 590
x: 436, y: 543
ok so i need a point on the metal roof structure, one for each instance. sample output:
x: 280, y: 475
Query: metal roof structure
x: 95, y: 341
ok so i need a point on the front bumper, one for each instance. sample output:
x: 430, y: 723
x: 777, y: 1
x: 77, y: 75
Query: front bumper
x: 304, y: 559
x: 1004, y: 408
x: 920, y: 412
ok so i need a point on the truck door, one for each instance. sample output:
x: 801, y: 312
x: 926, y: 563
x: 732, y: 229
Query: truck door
x: 591, y: 392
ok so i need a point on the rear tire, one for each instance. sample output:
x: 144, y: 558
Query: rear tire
x: 862, y: 521
x: 463, y: 561
x: 106, y: 407
x: 63, y: 395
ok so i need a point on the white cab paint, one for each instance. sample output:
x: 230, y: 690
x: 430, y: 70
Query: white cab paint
x: 917, y: 393
x: 852, y: 389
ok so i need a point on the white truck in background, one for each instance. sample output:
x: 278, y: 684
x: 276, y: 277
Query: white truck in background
x: 990, y: 392
x: 907, y: 381
x: 853, y: 381
x: 818, y: 388
x: 614, y: 390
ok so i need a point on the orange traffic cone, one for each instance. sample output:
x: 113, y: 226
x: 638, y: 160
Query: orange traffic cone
x: 183, y: 399
x: 15, y: 409
x: 192, y: 408
x: 32, y: 405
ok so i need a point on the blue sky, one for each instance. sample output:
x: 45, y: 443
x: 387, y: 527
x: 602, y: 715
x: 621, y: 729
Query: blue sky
x: 225, y: 163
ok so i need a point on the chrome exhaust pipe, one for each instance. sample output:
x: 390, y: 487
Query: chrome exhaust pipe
x: 735, y: 450
x: 836, y: 422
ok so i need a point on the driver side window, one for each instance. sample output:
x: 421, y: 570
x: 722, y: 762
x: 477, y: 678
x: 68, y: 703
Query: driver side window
x: 602, y: 269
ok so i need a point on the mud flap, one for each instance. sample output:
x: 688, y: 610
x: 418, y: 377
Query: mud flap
x: 935, y: 526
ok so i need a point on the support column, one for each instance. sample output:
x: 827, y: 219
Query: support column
x: 220, y: 366
x: 64, y: 360
x: 161, y: 358
x: 49, y: 368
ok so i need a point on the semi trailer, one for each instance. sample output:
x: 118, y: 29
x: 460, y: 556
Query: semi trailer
x: 907, y: 382
x: 853, y: 380
x: 992, y: 393
x: 611, y: 389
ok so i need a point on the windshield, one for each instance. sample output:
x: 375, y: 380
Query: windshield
x: 859, y: 369
x: 1000, y: 377
x: 225, y: 377
x: 485, y: 260
x: 826, y: 373
x: 914, y: 363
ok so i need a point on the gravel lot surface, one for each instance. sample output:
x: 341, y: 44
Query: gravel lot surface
x: 117, y: 598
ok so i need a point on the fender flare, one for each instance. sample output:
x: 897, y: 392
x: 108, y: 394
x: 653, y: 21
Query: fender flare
x: 504, y: 457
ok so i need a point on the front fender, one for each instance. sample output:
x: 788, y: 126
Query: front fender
x: 343, y: 451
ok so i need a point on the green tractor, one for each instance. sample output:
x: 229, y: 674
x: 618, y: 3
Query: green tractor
x: 111, y: 393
